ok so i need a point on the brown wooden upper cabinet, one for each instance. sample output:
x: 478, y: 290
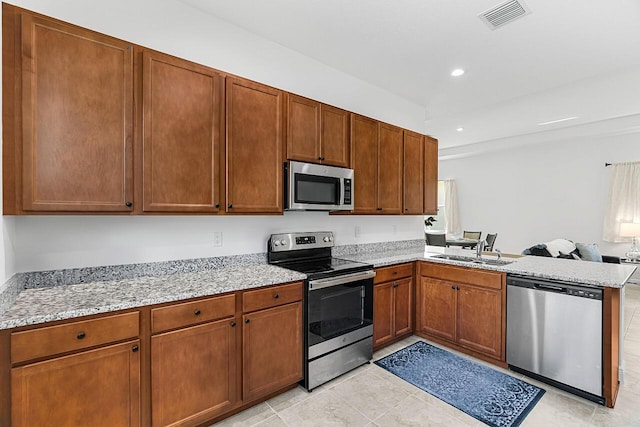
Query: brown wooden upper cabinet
x: 376, y: 158
x: 182, y: 115
x: 413, y: 179
x: 254, y: 147
x: 430, y: 175
x: 316, y: 132
x: 77, y: 120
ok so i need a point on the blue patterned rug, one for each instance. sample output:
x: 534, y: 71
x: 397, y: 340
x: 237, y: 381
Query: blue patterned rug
x: 487, y: 395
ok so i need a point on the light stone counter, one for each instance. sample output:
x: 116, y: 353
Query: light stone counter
x: 584, y: 272
x: 45, y: 304
x: 56, y: 295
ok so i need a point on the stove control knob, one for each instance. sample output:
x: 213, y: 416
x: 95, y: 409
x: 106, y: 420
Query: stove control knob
x: 276, y: 243
x: 282, y: 242
x: 331, y: 238
x: 325, y: 238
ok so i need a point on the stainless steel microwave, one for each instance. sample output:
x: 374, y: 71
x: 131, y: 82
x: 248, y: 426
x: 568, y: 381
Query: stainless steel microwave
x: 317, y: 187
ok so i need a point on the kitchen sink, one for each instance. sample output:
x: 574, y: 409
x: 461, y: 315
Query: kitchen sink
x: 473, y: 260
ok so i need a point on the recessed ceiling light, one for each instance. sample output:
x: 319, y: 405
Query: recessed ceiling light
x: 457, y: 72
x: 460, y: 129
x: 557, y: 121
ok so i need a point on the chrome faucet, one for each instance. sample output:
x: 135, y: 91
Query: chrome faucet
x: 499, y: 252
x: 479, y: 248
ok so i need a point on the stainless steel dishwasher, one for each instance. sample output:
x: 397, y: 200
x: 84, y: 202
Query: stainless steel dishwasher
x: 554, y: 334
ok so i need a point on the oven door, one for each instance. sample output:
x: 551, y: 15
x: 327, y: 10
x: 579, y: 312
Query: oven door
x: 318, y: 187
x: 339, y: 312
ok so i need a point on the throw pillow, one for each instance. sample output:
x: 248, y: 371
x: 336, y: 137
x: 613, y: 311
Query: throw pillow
x: 589, y: 252
x: 560, y: 245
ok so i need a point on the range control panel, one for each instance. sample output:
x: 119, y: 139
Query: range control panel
x: 298, y: 241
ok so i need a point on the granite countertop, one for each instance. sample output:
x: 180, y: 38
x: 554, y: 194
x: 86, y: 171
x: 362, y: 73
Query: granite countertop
x: 33, y: 306
x: 583, y: 272
x: 50, y: 301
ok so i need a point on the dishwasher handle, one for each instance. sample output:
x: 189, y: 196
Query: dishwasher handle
x: 550, y: 288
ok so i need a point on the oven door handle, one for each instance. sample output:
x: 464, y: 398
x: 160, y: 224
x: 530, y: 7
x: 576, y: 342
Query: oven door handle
x: 340, y: 280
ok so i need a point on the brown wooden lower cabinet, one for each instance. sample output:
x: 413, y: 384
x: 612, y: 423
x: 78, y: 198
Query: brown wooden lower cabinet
x: 272, y: 350
x: 393, y: 314
x: 99, y: 387
x: 194, y: 373
x: 464, y: 308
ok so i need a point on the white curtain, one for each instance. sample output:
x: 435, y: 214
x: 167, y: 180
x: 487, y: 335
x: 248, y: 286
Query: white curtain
x: 624, y: 200
x: 451, y: 213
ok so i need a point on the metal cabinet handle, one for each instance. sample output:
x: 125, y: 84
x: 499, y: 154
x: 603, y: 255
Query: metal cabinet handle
x: 128, y: 204
x: 135, y: 348
x: 197, y: 312
x: 247, y: 320
x: 217, y: 205
x: 276, y: 296
x: 233, y: 324
x: 81, y: 335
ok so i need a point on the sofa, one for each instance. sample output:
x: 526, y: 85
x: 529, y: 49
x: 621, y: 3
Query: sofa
x: 564, y: 248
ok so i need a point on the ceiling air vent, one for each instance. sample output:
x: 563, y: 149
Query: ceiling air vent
x: 504, y: 13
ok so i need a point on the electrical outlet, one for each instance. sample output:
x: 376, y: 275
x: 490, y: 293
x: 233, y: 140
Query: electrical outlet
x: 357, y: 231
x: 217, y: 238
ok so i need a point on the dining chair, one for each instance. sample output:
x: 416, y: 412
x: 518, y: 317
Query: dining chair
x: 491, y: 240
x: 475, y: 235
x: 435, y: 239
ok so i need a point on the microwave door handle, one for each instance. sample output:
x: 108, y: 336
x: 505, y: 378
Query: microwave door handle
x: 341, y: 280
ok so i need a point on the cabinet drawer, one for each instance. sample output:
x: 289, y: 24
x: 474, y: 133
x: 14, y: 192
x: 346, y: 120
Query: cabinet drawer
x: 190, y: 313
x: 52, y: 340
x: 472, y: 276
x: 271, y: 297
x: 394, y: 272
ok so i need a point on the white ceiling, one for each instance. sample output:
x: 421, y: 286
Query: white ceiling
x: 567, y: 58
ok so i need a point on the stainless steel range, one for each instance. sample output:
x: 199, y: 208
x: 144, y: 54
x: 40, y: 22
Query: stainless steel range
x: 338, y: 304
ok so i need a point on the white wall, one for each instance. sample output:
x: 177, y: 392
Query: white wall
x: 536, y: 193
x: 48, y: 242
x: 54, y: 242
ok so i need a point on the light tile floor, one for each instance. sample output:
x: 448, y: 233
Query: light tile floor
x: 370, y: 396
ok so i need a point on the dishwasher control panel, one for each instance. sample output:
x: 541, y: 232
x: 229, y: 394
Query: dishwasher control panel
x: 558, y: 287
x: 584, y: 293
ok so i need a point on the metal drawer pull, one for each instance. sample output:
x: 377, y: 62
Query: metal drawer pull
x: 81, y: 335
x: 276, y: 296
x: 197, y: 312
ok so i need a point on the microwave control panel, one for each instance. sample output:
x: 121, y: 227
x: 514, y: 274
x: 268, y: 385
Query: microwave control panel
x: 347, y: 191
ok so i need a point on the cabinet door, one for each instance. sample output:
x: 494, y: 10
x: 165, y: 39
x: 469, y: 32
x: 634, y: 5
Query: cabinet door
x: 94, y: 388
x: 77, y: 119
x: 181, y: 125
x: 383, y: 312
x: 334, y: 136
x: 364, y: 162
x: 254, y: 147
x: 272, y: 350
x: 480, y: 320
x: 413, y: 167
x: 431, y: 176
x: 303, y: 129
x: 438, y: 308
x: 193, y: 373
x: 390, y: 169
x: 403, y: 303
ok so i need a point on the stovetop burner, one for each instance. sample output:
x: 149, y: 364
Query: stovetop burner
x: 310, y: 253
x: 325, y: 267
